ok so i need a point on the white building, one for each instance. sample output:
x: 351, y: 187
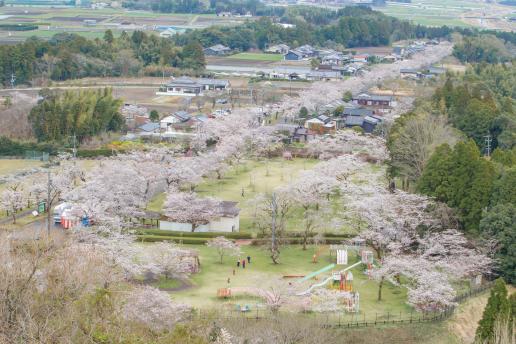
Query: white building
x: 228, y: 222
x: 192, y: 87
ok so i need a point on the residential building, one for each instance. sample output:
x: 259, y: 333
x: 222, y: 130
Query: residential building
x: 307, y: 50
x: 228, y: 222
x: 316, y: 75
x: 192, y: 87
x: 360, y: 58
x: 217, y: 50
x: 410, y: 73
x: 372, y: 100
x: 168, y: 122
x: 151, y: 127
x: 278, y: 49
x: 337, y: 59
x: 293, y: 55
x: 368, y: 123
x: 321, y: 124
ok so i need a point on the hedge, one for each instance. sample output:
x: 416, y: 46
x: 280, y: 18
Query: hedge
x: 10, y: 147
x: 92, y: 153
x: 159, y: 238
x: 297, y: 241
x: 230, y: 235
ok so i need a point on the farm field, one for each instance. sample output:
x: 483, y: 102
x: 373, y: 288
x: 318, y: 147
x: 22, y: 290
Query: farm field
x: 460, y: 13
x: 257, y: 57
x: 58, y: 20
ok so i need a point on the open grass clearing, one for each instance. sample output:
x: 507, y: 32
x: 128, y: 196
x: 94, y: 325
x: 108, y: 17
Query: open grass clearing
x: 8, y: 166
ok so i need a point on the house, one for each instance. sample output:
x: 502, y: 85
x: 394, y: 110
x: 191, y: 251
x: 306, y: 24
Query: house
x: 368, y: 123
x: 224, y: 14
x: 307, y: 50
x: 192, y: 87
x: 321, y: 124
x: 316, y: 75
x: 410, y: 73
x: 177, y: 117
x: 151, y: 127
x: 360, y: 58
x: 337, y: 59
x: 349, y: 111
x: 217, y: 50
x: 293, y: 55
x: 379, y: 101
x: 301, y: 135
x: 278, y: 49
x: 229, y: 221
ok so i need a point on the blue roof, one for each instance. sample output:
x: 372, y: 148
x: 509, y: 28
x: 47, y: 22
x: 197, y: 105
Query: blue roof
x: 149, y: 127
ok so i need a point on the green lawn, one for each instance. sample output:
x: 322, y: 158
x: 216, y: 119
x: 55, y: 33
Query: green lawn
x: 254, y: 177
x: 261, y: 273
x: 257, y: 57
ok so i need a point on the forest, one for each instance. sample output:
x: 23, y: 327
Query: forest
x: 84, y: 114
x: 349, y: 27
x: 71, y: 56
x: 460, y: 147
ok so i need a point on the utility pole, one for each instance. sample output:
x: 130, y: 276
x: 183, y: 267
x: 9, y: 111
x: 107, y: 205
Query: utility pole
x: 488, y: 139
x: 74, y: 147
x: 13, y: 80
x: 49, y: 184
x: 274, y: 210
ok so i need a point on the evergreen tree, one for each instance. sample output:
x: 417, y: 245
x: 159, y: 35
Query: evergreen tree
x: 154, y: 116
x: 499, y: 223
x: 498, y: 307
x: 108, y: 37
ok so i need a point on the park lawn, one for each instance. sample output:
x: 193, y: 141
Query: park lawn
x: 165, y: 283
x: 261, y: 273
x: 257, y: 57
x: 253, y: 178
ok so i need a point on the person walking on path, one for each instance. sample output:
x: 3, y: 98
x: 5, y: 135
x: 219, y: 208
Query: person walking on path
x: 238, y: 263
x: 249, y: 259
x: 243, y: 263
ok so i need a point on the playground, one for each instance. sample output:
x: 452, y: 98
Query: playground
x: 261, y: 276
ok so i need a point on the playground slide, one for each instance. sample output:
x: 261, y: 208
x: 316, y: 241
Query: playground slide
x: 318, y: 272
x: 320, y: 284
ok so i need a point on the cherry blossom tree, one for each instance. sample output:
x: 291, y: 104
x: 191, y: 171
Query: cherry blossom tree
x: 154, y: 308
x: 224, y: 247
x: 13, y: 199
x: 58, y: 182
x: 112, y: 193
x: 187, y: 207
